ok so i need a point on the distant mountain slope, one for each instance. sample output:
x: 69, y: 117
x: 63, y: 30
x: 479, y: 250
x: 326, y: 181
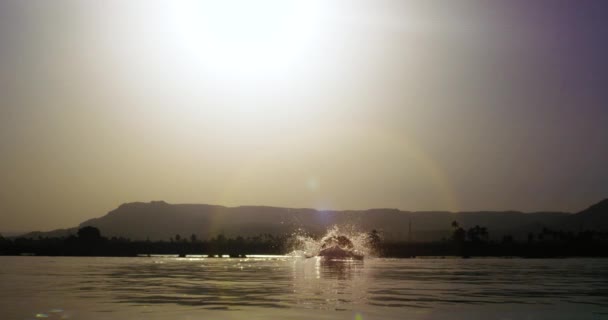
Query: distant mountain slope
x: 159, y: 220
x: 595, y: 217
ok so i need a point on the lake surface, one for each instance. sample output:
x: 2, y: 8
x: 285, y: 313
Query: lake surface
x: 297, y: 288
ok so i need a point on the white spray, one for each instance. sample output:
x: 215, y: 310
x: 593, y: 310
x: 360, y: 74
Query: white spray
x: 305, y: 246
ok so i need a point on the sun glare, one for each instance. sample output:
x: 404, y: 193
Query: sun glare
x: 243, y: 40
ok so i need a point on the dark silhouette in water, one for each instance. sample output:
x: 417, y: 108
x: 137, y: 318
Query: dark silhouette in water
x: 339, y: 247
x: 341, y: 241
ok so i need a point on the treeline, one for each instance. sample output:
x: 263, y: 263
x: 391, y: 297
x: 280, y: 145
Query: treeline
x: 90, y: 242
x: 469, y: 242
x: 475, y: 241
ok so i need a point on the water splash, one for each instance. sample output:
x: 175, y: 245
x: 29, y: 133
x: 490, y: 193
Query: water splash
x: 304, y: 245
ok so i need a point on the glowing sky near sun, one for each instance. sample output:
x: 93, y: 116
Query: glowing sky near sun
x: 418, y: 105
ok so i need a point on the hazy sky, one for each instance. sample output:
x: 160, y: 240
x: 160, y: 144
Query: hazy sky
x: 417, y: 105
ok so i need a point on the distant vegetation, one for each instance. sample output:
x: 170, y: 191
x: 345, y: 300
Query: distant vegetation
x: 475, y: 241
x: 90, y: 242
x: 465, y: 242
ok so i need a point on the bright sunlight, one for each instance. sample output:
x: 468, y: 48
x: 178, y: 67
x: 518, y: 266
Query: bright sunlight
x: 251, y: 41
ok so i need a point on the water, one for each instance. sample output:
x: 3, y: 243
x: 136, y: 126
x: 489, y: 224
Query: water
x: 299, y: 288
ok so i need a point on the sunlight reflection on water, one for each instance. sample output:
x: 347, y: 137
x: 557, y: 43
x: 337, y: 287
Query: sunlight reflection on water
x: 280, y: 286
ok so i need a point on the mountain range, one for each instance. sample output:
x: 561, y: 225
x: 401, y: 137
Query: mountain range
x: 158, y: 220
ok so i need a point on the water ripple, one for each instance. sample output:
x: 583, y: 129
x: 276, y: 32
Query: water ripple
x: 375, y: 285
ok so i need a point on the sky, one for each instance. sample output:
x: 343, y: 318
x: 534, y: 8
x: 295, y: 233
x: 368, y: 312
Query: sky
x: 417, y: 105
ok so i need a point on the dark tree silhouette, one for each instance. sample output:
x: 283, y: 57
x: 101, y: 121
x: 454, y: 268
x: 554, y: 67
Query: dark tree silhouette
x: 4, y: 241
x: 530, y: 237
x: 374, y: 239
x: 478, y: 234
x: 89, y: 234
x: 458, y: 235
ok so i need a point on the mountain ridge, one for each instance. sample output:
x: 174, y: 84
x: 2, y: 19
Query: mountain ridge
x: 159, y: 220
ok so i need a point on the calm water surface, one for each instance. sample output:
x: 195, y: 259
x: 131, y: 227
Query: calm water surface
x: 297, y: 288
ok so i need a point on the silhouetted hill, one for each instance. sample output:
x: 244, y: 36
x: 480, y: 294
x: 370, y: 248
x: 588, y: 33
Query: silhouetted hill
x: 594, y: 218
x: 159, y: 220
